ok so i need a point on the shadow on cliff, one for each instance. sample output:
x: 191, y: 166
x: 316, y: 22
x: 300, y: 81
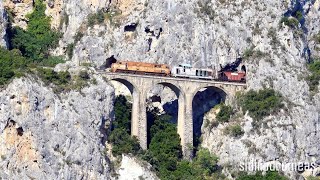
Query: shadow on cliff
x: 203, y: 102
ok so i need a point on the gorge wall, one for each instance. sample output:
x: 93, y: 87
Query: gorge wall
x: 200, y: 32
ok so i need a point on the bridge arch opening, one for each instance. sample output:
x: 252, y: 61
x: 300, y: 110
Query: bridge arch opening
x: 204, y: 100
x: 127, y: 90
x: 165, y: 98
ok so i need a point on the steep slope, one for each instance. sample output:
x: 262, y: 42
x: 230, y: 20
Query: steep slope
x: 210, y: 33
x: 3, y: 25
x: 45, y: 136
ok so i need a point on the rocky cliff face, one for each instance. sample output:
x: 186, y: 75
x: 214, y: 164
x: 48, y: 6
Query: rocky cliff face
x: 45, y: 136
x: 201, y: 32
x: 132, y: 168
x: 3, y: 24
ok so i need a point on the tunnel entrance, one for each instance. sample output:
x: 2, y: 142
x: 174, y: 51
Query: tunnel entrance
x: 204, y: 100
x: 110, y: 61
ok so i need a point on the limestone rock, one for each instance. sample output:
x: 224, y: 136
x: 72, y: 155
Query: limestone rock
x: 19, y: 8
x: 44, y: 136
x: 131, y: 168
x: 3, y: 25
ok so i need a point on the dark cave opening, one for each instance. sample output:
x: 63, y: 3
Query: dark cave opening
x: 110, y: 61
x: 131, y: 27
x: 20, y: 131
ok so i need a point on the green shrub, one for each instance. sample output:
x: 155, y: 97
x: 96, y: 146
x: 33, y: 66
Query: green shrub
x: 299, y: 15
x: 224, y: 113
x: 250, y: 52
x: 12, y: 64
x: 96, y: 18
x: 165, y: 145
x: 69, y: 50
x: 49, y: 76
x: 165, y: 151
x: 38, y: 38
x: 120, y: 138
x: 123, y: 143
x: 52, y: 61
x: 205, y: 161
x: 78, y: 36
x: 84, y: 75
x: 317, y: 38
x: 62, y: 81
x: 314, y: 78
x: 234, y: 130
x: 206, y: 10
x: 290, y: 21
x: 260, y: 103
x: 270, y: 175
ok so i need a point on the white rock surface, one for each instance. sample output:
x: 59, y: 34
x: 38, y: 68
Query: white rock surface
x: 204, y: 33
x: 45, y: 136
x: 3, y: 25
x: 133, y: 169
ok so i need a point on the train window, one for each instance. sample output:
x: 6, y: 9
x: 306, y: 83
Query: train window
x: 205, y: 73
x: 197, y: 72
x: 200, y: 73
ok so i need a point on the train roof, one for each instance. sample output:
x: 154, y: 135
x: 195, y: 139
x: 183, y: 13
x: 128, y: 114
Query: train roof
x: 185, y: 65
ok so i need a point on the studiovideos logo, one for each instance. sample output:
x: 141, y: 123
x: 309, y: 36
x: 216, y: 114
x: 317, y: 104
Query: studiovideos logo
x: 254, y: 165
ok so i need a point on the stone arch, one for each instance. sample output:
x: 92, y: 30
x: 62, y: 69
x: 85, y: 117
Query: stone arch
x: 132, y: 87
x: 175, y: 88
x: 135, y: 118
x: 180, y: 94
x: 202, y: 102
x: 220, y: 90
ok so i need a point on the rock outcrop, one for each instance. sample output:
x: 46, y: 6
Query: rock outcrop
x: 45, y: 136
x: 3, y: 25
x: 19, y: 9
x: 132, y: 168
x: 201, y: 32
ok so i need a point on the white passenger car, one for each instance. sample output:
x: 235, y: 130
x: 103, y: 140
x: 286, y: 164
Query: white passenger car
x: 187, y: 71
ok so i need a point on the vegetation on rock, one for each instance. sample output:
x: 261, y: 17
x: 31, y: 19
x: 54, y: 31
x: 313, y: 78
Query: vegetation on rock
x: 270, y: 175
x: 165, y: 151
x: 234, y: 130
x: 224, y: 113
x: 290, y: 21
x: 260, y: 103
x: 12, y: 64
x: 314, y: 78
x: 63, y: 81
x: 120, y: 137
x: 38, y: 38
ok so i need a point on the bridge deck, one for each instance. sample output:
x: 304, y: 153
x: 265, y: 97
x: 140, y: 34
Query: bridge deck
x: 173, y: 78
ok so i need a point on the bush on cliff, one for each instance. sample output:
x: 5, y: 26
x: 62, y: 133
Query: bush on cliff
x: 120, y: 137
x: 12, y: 64
x: 270, y: 175
x: 260, y: 103
x: 314, y: 78
x: 224, y: 113
x: 38, y: 38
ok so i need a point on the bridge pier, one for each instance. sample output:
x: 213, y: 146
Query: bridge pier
x: 143, y: 121
x: 187, y: 127
x: 139, y: 118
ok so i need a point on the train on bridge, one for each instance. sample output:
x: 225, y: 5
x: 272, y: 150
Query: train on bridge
x: 181, y: 71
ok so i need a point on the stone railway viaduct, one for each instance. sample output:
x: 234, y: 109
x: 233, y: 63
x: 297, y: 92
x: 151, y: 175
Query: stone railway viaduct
x: 185, y: 90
